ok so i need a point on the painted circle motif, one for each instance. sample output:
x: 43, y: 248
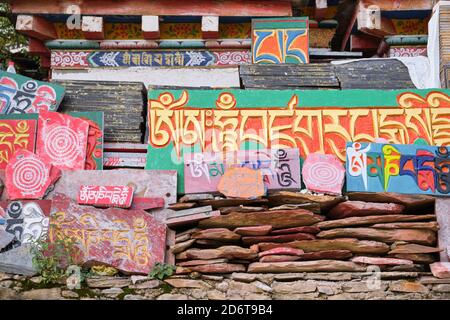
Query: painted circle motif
x: 30, y: 174
x: 61, y: 145
x: 324, y: 173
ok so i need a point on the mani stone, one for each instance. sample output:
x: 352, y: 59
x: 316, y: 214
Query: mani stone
x: 277, y: 219
x: 279, y: 238
x: 440, y: 270
x: 362, y: 221
x: 353, y: 245
x: 360, y: 209
x: 18, y: 261
x: 254, y: 231
x: 219, y: 234
x: 305, y: 266
x: 227, y: 252
x: 307, y: 229
x: 326, y: 255
x: 381, y: 261
x: 282, y: 251
x: 425, y: 237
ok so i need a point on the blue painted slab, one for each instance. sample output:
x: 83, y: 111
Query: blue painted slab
x: 149, y: 58
x: 402, y: 168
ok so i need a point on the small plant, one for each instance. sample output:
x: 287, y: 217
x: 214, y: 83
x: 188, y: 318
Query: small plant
x: 161, y: 271
x: 51, y: 259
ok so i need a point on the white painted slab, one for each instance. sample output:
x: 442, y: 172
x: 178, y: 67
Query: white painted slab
x: 157, y: 76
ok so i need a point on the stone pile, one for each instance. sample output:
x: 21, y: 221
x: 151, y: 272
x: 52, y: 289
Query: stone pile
x: 296, y: 232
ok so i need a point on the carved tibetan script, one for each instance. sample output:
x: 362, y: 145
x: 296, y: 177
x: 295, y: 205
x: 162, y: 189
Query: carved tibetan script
x: 187, y: 121
x: 414, y: 169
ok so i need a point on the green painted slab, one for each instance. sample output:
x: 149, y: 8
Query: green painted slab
x: 310, y: 120
x: 19, y: 94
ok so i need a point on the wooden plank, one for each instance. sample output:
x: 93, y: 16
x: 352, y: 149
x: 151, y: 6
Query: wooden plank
x: 363, y: 42
x: 240, y: 8
x: 36, y: 27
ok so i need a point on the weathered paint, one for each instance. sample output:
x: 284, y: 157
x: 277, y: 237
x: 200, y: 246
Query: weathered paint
x: 106, y: 196
x: 158, y: 76
x: 19, y: 94
x: 187, y: 121
x: 411, y: 169
x: 280, y: 168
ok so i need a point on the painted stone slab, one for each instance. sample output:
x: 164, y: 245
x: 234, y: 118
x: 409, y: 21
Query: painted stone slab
x: 442, y: 206
x: 280, y: 40
x: 28, y: 176
x: 19, y: 94
x: 62, y: 140
x: 409, y: 169
x: 242, y: 183
x: 280, y: 168
x: 124, y: 159
x: 192, y: 121
x: 146, y: 183
x: 129, y: 240
x: 27, y: 220
x: 161, y: 58
x: 94, y: 151
x: 106, y: 196
x: 17, y: 132
x: 323, y: 173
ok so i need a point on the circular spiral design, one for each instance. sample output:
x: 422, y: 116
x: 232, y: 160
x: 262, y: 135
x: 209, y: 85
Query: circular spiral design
x: 322, y: 174
x: 61, y: 145
x: 29, y: 174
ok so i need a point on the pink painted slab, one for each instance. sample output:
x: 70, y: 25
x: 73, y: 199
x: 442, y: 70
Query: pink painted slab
x: 323, y: 173
x: 129, y: 240
x: 62, y: 140
x: 106, y: 196
x: 280, y: 168
x: 27, y: 176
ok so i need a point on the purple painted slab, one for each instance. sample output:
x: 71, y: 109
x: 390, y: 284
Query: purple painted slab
x: 280, y: 168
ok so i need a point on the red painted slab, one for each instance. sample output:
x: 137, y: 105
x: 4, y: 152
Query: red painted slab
x: 323, y: 173
x: 62, y: 140
x: 129, y: 240
x: 143, y: 203
x: 106, y: 196
x: 16, y: 135
x: 28, y: 176
x: 27, y: 220
x: 280, y: 168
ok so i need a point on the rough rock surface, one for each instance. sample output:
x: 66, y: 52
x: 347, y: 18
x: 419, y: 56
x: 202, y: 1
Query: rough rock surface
x: 305, y: 266
x: 219, y: 234
x: 228, y: 252
x: 425, y: 237
x: 369, y: 220
x: 278, y: 238
x: 307, y: 229
x: 278, y: 219
x: 353, y: 245
x: 359, y: 209
x: 381, y: 261
x: 282, y: 251
x: 254, y: 231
